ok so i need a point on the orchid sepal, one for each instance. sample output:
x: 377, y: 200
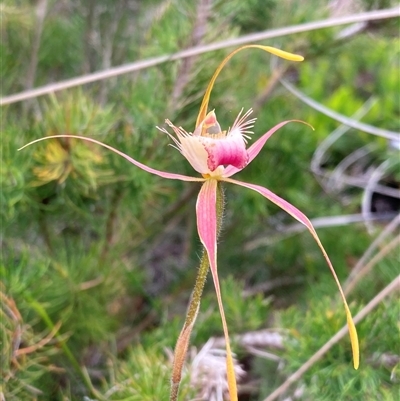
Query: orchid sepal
x: 160, y: 173
x: 303, y: 219
x: 269, y: 49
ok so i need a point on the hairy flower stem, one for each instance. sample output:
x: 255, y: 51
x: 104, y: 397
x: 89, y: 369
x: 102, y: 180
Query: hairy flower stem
x: 194, y: 305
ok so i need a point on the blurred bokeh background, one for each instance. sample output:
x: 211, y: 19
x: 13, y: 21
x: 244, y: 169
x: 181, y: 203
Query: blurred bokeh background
x: 99, y: 257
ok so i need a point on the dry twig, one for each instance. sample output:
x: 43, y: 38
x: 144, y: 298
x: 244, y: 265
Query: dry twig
x: 393, y: 244
x: 393, y: 286
x: 388, y: 230
x: 384, y: 133
x: 256, y: 37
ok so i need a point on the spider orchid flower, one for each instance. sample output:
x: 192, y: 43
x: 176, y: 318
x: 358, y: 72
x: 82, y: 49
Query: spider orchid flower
x: 217, y: 155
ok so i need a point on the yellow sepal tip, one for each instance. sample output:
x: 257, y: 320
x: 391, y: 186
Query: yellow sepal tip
x: 269, y: 49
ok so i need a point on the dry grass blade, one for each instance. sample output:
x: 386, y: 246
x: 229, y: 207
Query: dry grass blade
x: 366, y: 204
x: 391, y: 135
x: 140, y: 65
x: 388, y: 230
x: 335, y: 181
x: 32, y: 348
x: 265, y: 338
x: 393, y: 244
x: 362, y: 182
x: 319, y: 154
x: 198, y: 33
x: 393, y: 286
x: 208, y: 371
x: 40, y: 11
x: 319, y: 222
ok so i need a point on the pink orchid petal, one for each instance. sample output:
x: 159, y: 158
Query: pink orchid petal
x: 302, y: 218
x: 256, y: 147
x: 230, y: 150
x: 207, y: 229
x: 163, y: 174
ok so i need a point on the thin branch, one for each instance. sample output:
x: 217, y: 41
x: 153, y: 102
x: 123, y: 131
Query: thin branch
x: 44, y: 230
x: 110, y: 222
x: 319, y: 155
x: 271, y: 285
x: 32, y: 348
x: 391, y: 135
x: 90, y: 36
x: 393, y: 286
x: 335, y: 181
x: 265, y: 338
x: 109, y: 40
x: 136, y: 66
x: 362, y: 182
x: 263, y: 354
x: 375, y: 177
x: 277, y: 74
x: 41, y: 10
x: 388, y: 230
x: 393, y: 244
x: 198, y: 33
x: 318, y: 222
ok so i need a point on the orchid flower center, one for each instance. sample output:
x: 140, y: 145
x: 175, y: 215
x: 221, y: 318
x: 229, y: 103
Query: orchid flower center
x: 209, y: 149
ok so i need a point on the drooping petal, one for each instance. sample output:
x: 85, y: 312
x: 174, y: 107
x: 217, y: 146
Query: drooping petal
x: 163, y: 174
x: 206, y: 98
x: 207, y: 229
x: 256, y: 147
x: 302, y: 218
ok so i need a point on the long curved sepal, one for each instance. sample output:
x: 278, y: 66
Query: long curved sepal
x: 163, y: 174
x: 302, y: 218
x: 269, y: 49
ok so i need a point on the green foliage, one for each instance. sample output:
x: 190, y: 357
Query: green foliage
x: 59, y: 159
x: 311, y: 328
x: 62, y: 33
x: 243, y: 313
x: 16, y: 27
x: 143, y: 376
x: 250, y: 16
x: 24, y: 368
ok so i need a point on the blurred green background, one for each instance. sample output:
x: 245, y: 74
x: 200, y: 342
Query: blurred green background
x: 99, y: 257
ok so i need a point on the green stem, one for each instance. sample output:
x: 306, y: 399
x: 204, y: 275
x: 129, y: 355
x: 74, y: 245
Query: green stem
x: 194, y: 305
